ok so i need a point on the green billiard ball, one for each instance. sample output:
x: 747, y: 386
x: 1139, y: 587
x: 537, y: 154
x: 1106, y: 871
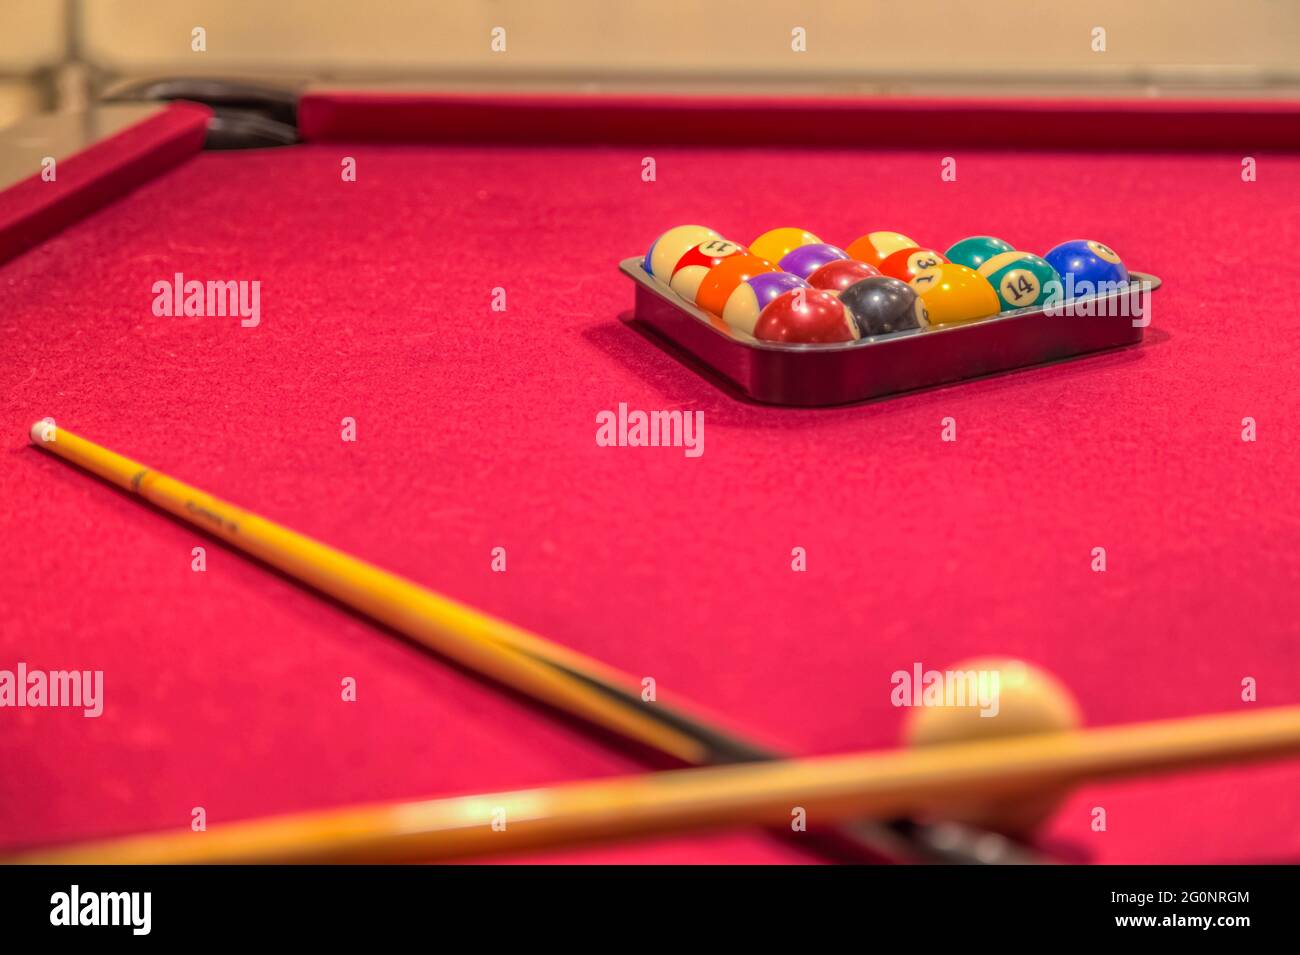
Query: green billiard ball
x: 976, y: 250
x: 1020, y: 279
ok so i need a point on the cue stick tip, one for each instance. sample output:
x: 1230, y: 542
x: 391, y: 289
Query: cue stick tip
x: 43, y: 431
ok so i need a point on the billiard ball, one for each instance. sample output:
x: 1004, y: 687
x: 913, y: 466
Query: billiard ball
x: 807, y: 259
x: 954, y: 294
x: 1021, y: 279
x: 805, y: 316
x: 721, y: 280
x: 881, y: 305
x: 670, y: 247
x: 838, y: 275
x: 874, y: 247
x: 1084, y: 265
x: 695, y: 264
x: 1025, y: 700
x: 907, y: 264
x: 775, y: 244
x: 752, y: 295
x: 974, y: 251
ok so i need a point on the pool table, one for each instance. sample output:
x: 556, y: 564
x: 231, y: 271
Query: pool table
x: 475, y: 425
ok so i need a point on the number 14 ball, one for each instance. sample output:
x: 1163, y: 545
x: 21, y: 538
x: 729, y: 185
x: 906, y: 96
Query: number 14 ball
x: 1021, y: 279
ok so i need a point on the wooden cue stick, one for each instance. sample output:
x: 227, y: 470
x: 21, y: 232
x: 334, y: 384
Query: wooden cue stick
x: 878, y: 785
x: 555, y: 675
x: 475, y: 640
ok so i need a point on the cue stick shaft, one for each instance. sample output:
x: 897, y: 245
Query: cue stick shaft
x: 475, y: 640
x: 867, y: 785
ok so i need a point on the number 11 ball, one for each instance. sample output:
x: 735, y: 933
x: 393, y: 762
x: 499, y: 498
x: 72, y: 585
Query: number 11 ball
x: 691, y: 268
x: 671, y: 246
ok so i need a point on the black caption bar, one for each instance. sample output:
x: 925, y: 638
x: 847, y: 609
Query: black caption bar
x: 118, y: 905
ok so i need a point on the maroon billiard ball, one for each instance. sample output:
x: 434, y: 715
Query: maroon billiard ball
x: 805, y: 315
x: 838, y: 275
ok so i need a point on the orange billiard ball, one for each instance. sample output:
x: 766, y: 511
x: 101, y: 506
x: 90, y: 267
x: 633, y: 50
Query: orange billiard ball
x: 721, y: 280
x: 874, y: 247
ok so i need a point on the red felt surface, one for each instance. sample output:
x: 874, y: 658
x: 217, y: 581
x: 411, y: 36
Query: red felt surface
x: 476, y: 430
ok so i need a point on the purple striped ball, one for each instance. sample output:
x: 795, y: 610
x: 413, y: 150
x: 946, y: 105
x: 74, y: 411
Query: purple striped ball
x: 807, y: 259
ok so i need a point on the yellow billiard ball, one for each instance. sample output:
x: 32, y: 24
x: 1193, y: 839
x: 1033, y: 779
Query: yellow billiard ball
x: 954, y: 294
x: 1029, y: 700
x: 775, y: 244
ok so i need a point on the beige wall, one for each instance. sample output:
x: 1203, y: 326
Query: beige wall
x: 882, y: 43
x: 722, y: 36
x: 31, y: 34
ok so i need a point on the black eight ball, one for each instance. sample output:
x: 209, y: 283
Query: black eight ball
x: 880, y: 305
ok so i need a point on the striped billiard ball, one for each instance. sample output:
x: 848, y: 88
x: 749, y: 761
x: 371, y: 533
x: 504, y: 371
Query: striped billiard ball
x: 671, y: 246
x: 752, y: 295
x: 1021, y: 279
x: 807, y: 259
x: 721, y: 280
x: 691, y: 268
x: 874, y: 247
x: 954, y: 294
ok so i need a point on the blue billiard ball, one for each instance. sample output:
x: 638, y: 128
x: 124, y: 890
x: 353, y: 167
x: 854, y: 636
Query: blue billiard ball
x: 1084, y: 265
